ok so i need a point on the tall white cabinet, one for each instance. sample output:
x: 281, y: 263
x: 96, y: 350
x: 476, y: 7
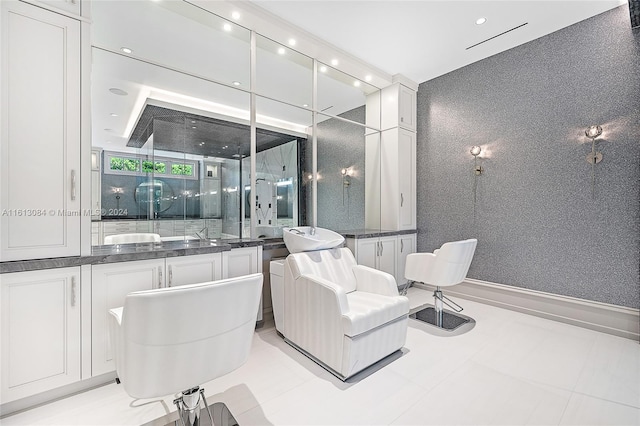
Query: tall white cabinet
x: 40, y: 133
x: 40, y: 331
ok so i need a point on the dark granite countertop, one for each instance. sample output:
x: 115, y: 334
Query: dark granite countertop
x: 374, y: 233
x: 129, y: 252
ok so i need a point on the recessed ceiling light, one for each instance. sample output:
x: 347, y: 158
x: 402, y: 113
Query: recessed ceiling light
x: 235, y: 15
x: 281, y: 50
x: 113, y: 114
x: 236, y: 83
x: 193, y: 127
x: 334, y: 62
x: 292, y: 42
x: 481, y: 21
x: 367, y: 78
x: 225, y: 147
x: 193, y: 121
x: 356, y: 83
x: 305, y: 105
x: 126, y: 50
x: 236, y: 155
x: 227, y: 27
x: 323, y: 69
x: 117, y: 91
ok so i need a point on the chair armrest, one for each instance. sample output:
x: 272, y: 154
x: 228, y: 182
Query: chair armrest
x: 375, y: 281
x: 117, y: 314
x: 326, y: 293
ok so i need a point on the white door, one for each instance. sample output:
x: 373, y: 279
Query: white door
x: 367, y: 252
x: 407, y: 178
x: 40, y: 331
x: 387, y: 260
x: 110, y: 284
x: 194, y: 269
x: 243, y: 261
x: 407, y: 245
x: 40, y: 133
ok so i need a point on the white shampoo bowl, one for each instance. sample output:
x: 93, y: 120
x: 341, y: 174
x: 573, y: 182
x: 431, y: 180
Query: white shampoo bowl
x: 300, y: 239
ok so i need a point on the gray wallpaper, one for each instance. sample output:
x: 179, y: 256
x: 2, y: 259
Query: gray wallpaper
x: 341, y: 145
x: 536, y: 222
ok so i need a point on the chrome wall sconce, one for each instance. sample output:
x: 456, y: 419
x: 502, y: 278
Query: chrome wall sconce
x: 475, y: 151
x: 346, y: 183
x: 594, y: 157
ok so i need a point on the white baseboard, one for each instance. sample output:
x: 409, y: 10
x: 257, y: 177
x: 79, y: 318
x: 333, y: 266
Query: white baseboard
x: 612, y: 319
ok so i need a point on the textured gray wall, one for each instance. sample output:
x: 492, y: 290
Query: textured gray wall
x: 341, y: 145
x: 536, y: 222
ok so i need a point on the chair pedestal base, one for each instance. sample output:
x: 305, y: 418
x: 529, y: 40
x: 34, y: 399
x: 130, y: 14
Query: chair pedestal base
x: 190, y: 412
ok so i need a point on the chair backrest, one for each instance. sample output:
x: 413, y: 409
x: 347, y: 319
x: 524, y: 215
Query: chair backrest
x: 176, y: 338
x: 445, y: 267
x: 140, y: 237
x: 335, y: 265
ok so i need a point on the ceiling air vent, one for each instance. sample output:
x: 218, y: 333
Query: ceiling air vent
x: 498, y: 35
x: 634, y: 12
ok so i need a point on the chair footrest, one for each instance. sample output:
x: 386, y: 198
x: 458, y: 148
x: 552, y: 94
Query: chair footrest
x: 450, y: 321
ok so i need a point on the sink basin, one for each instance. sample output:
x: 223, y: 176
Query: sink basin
x: 300, y: 239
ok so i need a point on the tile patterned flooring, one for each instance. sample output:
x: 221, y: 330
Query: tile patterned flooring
x: 511, y: 369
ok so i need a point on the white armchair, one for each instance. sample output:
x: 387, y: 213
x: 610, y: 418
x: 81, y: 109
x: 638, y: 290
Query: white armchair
x: 344, y: 315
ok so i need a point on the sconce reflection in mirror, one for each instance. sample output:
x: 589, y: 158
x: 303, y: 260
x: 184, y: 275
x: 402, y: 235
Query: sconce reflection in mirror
x: 117, y: 191
x: 594, y: 157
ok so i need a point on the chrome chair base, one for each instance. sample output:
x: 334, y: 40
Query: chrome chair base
x: 190, y: 411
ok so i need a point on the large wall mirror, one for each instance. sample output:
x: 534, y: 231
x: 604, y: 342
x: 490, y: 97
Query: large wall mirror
x: 171, y: 129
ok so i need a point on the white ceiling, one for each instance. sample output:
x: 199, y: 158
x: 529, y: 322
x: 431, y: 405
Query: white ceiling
x: 424, y: 39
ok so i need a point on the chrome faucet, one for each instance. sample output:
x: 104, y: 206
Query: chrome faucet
x: 297, y: 231
x: 204, y: 236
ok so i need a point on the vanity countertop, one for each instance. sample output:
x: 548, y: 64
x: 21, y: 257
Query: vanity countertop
x: 129, y: 252
x: 374, y: 233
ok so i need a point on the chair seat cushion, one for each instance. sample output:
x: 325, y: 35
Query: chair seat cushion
x: 369, y: 310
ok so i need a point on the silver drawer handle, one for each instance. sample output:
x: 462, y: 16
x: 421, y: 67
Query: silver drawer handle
x: 73, y: 290
x: 401, y: 199
x: 170, y: 275
x: 159, y: 277
x: 73, y: 185
x: 401, y: 246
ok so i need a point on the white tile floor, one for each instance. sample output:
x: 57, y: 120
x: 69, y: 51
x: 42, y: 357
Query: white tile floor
x: 511, y: 369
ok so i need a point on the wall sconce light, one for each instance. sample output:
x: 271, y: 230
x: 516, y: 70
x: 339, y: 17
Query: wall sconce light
x: 594, y: 157
x: 346, y: 183
x: 475, y: 151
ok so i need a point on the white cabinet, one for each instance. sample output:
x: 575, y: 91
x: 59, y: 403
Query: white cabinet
x: 193, y: 269
x: 110, y: 283
x: 398, y: 107
x: 387, y: 254
x: 40, y: 138
x: 398, y: 179
x: 40, y: 331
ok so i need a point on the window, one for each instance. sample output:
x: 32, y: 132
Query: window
x: 159, y: 167
x: 140, y: 165
x: 182, y: 169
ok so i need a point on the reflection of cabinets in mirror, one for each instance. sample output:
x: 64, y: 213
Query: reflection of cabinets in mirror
x: 40, y: 337
x: 41, y: 53
x: 96, y: 184
x: 210, y: 191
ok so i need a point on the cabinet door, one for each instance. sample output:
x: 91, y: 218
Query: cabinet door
x: 407, y: 108
x: 407, y: 179
x: 40, y: 331
x: 39, y: 161
x: 110, y: 284
x: 387, y: 260
x: 407, y: 245
x: 240, y: 261
x: 243, y: 261
x: 194, y: 269
x: 367, y: 252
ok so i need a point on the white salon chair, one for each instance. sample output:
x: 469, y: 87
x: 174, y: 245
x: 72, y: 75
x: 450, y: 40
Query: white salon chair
x: 139, y: 237
x: 174, y: 339
x: 345, y: 316
x: 446, y: 266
